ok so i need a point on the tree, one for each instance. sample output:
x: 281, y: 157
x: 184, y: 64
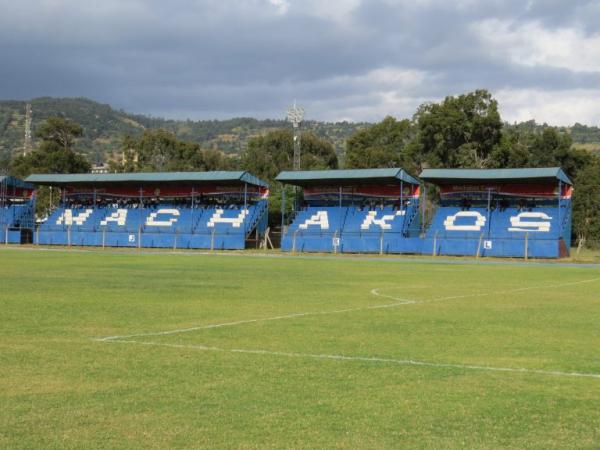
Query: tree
x: 458, y: 132
x: 55, y: 153
x: 60, y: 130
x: 527, y: 147
x: 552, y: 148
x: 160, y: 150
x: 385, y: 144
x: 266, y: 156
x: 512, y: 150
x: 586, y: 198
x: 4, y: 164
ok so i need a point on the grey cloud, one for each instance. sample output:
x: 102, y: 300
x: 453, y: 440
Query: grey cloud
x: 208, y: 59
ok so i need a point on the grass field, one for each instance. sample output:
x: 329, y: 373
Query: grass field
x: 126, y: 350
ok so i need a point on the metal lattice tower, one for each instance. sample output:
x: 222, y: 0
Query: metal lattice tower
x: 27, y: 146
x: 295, y: 114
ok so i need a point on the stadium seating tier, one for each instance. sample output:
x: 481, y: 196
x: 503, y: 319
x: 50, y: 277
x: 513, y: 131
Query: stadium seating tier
x: 157, y: 226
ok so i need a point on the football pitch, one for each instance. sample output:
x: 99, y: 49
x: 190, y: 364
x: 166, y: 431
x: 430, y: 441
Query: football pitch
x: 147, y: 350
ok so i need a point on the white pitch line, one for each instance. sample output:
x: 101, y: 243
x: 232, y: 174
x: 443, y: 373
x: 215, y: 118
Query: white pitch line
x: 242, y: 322
x: 399, y: 302
x: 485, y: 294
x: 480, y: 294
x: 403, y: 362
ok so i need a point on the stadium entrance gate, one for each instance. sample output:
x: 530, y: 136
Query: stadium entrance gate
x: 203, y: 210
x: 352, y: 211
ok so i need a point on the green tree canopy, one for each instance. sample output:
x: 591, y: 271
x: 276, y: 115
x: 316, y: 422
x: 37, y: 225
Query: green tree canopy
x: 268, y: 155
x: 523, y: 147
x: 273, y: 152
x: 161, y: 151
x: 385, y: 144
x: 59, y: 130
x: 4, y: 164
x: 55, y: 153
x: 586, y: 202
x: 461, y: 131
x: 551, y: 148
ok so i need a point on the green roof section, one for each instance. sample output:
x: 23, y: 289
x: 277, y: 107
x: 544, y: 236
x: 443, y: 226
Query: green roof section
x: 447, y: 176
x: 346, y: 177
x: 228, y: 177
x: 15, y: 182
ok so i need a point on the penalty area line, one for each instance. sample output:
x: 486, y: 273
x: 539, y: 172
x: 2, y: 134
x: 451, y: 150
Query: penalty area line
x: 400, y: 362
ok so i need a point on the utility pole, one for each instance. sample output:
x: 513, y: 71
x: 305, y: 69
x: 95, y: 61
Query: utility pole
x: 27, y: 146
x: 295, y: 114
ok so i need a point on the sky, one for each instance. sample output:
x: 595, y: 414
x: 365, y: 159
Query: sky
x: 356, y: 60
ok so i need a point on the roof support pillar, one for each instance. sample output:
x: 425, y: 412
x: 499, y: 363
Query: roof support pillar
x: 282, y: 208
x: 140, y: 206
x: 559, y: 203
x: 401, y: 195
x: 423, y: 204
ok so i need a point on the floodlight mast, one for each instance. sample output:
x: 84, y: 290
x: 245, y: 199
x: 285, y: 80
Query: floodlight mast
x: 27, y: 144
x: 295, y: 114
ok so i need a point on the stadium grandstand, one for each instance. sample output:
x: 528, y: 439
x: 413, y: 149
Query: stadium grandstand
x: 17, y: 203
x: 352, y: 211
x: 203, y: 210
x: 500, y: 212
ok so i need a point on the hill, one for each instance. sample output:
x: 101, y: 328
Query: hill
x: 104, y: 127
x: 583, y: 136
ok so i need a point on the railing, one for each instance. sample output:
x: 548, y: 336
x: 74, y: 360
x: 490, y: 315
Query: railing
x: 409, y: 218
x: 259, y: 210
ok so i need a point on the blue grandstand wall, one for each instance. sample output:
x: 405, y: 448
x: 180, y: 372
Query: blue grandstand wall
x: 17, y: 204
x: 203, y: 210
x: 509, y: 233
x: 354, y: 211
x: 354, y: 230
x: 163, y: 226
x: 519, y: 213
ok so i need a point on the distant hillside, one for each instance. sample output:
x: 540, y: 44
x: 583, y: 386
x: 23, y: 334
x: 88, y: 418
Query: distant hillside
x: 583, y: 136
x: 104, y: 127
